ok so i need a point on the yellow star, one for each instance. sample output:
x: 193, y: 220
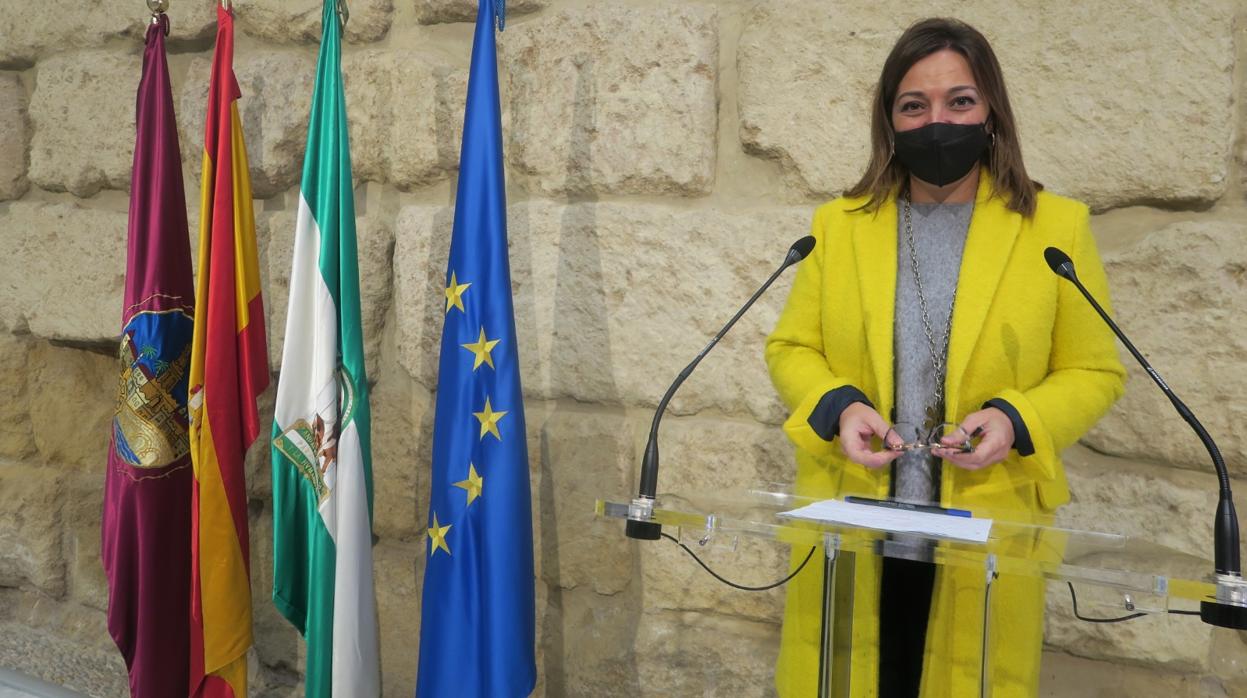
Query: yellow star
x: 437, y: 537
x: 473, y: 485
x: 489, y: 421
x: 454, y: 293
x: 481, y: 349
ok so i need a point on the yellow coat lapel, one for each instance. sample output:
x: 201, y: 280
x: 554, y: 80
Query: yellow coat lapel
x: 989, y: 244
x: 874, y: 246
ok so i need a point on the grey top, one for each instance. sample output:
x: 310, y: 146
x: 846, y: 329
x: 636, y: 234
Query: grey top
x: 939, y: 239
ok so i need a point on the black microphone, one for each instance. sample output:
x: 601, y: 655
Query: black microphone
x: 1062, y: 265
x: 639, y: 512
x: 1230, y: 608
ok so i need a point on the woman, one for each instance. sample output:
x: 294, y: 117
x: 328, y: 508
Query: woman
x: 927, y: 299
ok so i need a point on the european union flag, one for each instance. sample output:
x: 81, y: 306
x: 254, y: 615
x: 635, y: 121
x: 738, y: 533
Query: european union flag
x: 477, y: 617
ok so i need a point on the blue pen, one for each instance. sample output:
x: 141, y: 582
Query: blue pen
x: 907, y: 506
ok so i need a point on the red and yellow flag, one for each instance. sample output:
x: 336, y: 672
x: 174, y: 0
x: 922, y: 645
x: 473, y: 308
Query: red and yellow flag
x: 229, y: 369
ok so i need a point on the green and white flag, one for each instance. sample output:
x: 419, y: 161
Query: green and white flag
x: 322, y: 462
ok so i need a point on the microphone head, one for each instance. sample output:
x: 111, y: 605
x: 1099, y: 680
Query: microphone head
x: 1059, y: 262
x: 800, y: 249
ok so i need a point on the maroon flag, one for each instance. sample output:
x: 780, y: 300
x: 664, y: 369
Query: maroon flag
x: 146, y: 530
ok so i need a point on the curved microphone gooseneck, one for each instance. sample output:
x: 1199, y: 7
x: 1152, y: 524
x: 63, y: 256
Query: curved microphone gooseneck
x: 639, y: 524
x: 1230, y: 608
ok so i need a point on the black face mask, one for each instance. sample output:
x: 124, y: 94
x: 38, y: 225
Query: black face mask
x: 941, y: 153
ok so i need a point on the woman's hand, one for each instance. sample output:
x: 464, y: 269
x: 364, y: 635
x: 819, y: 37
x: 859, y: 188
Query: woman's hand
x: 859, y: 424
x: 997, y: 432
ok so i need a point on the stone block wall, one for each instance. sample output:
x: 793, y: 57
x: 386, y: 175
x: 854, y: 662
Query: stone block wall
x: 660, y: 158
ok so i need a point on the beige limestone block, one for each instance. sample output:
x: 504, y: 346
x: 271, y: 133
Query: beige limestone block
x: 192, y: 21
x: 1066, y: 676
x: 806, y: 71
x: 274, y: 240
x: 72, y: 271
x: 406, y: 116
x: 69, y: 620
x: 31, y: 553
x: 1170, y: 513
x: 374, y: 236
x: 1172, y: 642
x: 258, y: 463
x: 541, y: 602
x: 402, y: 444
x: 722, y: 456
x: 14, y: 137
x: 16, y: 435
x: 587, y: 643
x: 28, y: 30
x: 1180, y: 295
x: 277, y: 644
x: 421, y: 248
x: 612, y: 300
x: 73, y: 397
x: 1162, y: 505
x: 82, y: 115
x: 276, y: 98
x: 704, y: 459
x: 439, y: 11
x: 399, y: 570
x: 66, y: 644
x: 298, y: 21
x: 615, y: 99
x: 83, y: 506
x: 1229, y: 657
x: 275, y: 682
x: 582, y: 456
x: 685, y: 654
x: 1075, y: 72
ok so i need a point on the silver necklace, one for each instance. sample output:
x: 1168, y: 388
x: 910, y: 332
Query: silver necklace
x: 938, y: 357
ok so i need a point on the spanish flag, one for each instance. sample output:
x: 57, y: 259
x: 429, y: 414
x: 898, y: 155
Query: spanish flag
x: 228, y: 371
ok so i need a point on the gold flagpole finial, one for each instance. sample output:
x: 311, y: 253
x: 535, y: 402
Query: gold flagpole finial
x: 158, y: 8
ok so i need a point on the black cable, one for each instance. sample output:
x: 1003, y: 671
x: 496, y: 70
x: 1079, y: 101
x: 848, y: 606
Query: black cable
x: 785, y: 580
x: 1079, y: 616
x: 1132, y: 616
x: 734, y: 585
x: 987, y: 607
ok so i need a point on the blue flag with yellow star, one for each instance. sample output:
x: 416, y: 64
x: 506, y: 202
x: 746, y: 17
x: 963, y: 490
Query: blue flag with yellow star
x: 477, y: 626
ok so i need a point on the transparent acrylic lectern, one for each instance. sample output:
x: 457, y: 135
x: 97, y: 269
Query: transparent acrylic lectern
x: 1115, y: 573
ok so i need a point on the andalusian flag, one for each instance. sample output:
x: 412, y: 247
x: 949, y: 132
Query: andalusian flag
x: 145, y: 541
x: 477, y: 614
x: 229, y: 368
x: 322, y: 462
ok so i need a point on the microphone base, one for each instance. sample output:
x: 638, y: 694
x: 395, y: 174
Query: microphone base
x: 1223, y: 615
x: 643, y: 530
x: 639, y: 525
x: 1229, y: 608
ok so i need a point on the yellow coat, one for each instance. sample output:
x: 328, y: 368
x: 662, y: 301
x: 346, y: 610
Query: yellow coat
x: 1019, y: 333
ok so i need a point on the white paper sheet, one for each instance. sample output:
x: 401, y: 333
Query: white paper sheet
x: 897, y: 520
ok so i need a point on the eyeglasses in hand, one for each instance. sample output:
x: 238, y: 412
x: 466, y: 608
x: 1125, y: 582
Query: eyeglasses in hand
x: 911, y: 437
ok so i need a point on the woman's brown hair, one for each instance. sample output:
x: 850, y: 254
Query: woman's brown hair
x: 885, y: 175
